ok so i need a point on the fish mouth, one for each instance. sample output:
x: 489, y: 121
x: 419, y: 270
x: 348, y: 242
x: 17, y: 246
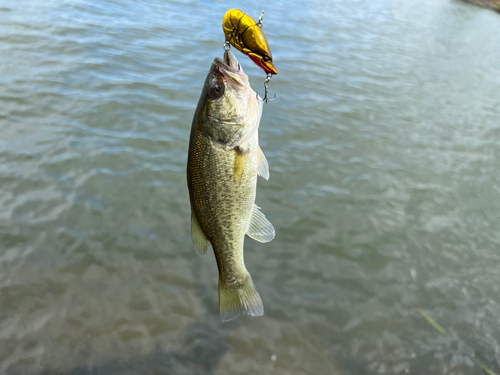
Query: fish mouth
x: 228, y: 63
x: 230, y: 70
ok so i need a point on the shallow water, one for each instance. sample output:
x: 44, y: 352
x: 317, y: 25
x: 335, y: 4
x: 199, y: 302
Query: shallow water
x: 383, y: 146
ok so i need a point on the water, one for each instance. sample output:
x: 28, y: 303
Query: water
x: 383, y: 146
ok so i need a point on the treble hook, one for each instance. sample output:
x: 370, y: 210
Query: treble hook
x: 266, y: 90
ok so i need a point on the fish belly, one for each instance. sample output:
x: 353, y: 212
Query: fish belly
x: 222, y: 205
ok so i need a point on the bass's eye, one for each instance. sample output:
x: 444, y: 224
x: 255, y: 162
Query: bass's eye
x: 266, y: 58
x: 218, y: 90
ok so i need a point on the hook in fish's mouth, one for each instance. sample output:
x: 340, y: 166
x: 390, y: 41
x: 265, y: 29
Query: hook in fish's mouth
x: 228, y: 63
x: 230, y: 69
x: 231, y: 61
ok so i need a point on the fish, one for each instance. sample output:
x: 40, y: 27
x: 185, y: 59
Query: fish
x: 224, y: 159
x: 247, y: 37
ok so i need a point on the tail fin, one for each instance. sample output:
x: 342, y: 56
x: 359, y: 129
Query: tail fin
x: 235, y: 300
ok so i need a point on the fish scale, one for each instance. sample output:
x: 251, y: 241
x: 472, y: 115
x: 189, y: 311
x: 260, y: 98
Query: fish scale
x: 223, y: 162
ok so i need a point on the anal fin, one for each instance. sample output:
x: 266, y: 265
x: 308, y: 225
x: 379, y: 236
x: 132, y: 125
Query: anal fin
x: 260, y: 229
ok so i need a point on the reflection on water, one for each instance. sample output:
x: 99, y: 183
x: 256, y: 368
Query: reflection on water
x: 383, y: 146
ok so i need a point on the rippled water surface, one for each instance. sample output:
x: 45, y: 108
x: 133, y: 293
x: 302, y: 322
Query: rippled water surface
x: 384, y: 152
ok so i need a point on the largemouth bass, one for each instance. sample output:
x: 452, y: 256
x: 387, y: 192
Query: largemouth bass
x: 223, y: 162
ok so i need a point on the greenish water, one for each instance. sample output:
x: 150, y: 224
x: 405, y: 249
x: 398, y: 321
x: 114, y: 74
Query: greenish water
x: 384, y: 152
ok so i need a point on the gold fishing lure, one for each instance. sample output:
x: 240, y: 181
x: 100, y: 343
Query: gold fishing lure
x: 247, y: 37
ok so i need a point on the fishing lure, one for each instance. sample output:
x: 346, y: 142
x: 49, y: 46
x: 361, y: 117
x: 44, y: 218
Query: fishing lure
x: 247, y: 37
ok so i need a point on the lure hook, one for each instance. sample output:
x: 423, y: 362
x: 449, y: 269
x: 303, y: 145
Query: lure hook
x: 266, y: 90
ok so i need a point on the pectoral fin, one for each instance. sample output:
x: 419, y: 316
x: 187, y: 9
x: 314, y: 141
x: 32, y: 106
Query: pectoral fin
x: 199, y: 240
x: 239, y: 165
x: 262, y: 166
x: 260, y: 229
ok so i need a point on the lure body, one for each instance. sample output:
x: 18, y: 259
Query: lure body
x: 247, y: 37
